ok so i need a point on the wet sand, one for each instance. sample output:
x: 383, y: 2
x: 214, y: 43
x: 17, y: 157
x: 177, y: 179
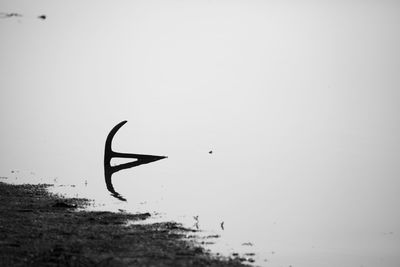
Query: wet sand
x: 41, y: 229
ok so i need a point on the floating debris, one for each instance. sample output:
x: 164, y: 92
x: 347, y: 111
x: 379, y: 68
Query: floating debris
x: 196, y: 224
x: 9, y: 15
x: 207, y: 243
x: 213, y: 236
x: 247, y: 244
x: 222, y: 226
x: 5, y: 15
x: 250, y: 254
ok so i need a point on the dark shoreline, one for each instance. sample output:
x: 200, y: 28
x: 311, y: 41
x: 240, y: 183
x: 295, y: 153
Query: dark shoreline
x: 42, y: 229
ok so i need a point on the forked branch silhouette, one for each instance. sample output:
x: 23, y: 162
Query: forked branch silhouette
x: 109, y: 170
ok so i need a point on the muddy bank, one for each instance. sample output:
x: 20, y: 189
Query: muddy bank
x: 41, y: 229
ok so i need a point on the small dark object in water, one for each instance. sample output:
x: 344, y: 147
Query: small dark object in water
x: 250, y: 254
x: 64, y: 205
x: 222, y: 226
x: 9, y: 15
x: 247, y: 244
x: 196, y: 224
x: 42, y: 17
x: 210, y: 152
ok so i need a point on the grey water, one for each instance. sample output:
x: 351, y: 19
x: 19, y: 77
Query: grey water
x: 297, y: 100
x: 286, y: 218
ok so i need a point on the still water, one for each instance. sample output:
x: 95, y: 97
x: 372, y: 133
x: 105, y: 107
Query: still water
x: 291, y: 218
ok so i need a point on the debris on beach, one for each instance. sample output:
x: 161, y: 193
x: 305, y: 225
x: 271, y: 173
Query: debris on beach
x: 64, y: 205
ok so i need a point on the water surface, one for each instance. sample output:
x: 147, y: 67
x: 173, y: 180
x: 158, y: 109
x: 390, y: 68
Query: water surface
x: 298, y: 100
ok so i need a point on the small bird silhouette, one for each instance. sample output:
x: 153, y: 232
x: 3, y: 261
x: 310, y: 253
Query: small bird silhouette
x: 222, y: 226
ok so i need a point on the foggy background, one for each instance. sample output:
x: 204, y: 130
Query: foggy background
x: 299, y: 101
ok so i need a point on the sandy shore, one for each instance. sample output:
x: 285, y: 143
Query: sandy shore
x: 41, y: 229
